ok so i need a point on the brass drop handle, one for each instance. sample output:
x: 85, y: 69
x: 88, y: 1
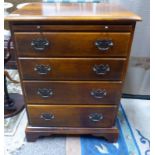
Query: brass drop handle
x: 98, y: 93
x: 95, y: 117
x: 47, y: 116
x: 39, y: 44
x: 42, y: 69
x: 104, y: 45
x: 45, y: 92
x: 101, y: 69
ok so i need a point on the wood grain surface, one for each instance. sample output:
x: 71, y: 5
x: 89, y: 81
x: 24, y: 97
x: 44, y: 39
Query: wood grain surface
x: 72, y: 68
x: 72, y: 11
x: 73, y: 92
x: 67, y: 44
x: 71, y: 116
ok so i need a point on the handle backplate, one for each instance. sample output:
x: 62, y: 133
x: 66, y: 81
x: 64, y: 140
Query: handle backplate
x: 47, y: 116
x: 95, y: 117
x: 42, y: 69
x: 104, y: 45
x: 45, y: 92
x: 98, y: 93
x: 39, y: 44
x: 101, y: 69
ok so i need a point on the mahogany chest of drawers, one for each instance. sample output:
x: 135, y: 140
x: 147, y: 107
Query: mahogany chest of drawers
x: 72, y: 59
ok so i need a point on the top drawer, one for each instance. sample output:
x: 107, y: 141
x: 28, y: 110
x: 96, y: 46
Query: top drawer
x: 72, y: 44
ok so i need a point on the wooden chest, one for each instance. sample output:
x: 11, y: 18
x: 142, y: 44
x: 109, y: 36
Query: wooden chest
x: 72, y: 59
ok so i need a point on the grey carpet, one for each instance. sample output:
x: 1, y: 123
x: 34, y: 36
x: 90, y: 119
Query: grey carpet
x: 44, y: 146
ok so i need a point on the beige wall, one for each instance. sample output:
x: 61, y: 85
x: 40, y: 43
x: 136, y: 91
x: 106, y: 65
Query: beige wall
x: 138, y: 75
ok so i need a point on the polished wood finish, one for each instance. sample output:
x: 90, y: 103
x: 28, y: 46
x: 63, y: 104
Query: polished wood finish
x: 38, y: 27
x: 72, y: 68
x: 72, y: 12
x: 110, y: 134
x: 76, y: 92
x: 72, y: 43
x: 64, y: 50
x: 71, y: 116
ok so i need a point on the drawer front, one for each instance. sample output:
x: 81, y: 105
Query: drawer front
x: 72, y: 92
x: 71, y: 28
x: 72, y: 69
x: 77, y: 44
x: 72, y: 116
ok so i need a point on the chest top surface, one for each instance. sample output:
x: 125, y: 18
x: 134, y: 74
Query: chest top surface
x: 72, y: 11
